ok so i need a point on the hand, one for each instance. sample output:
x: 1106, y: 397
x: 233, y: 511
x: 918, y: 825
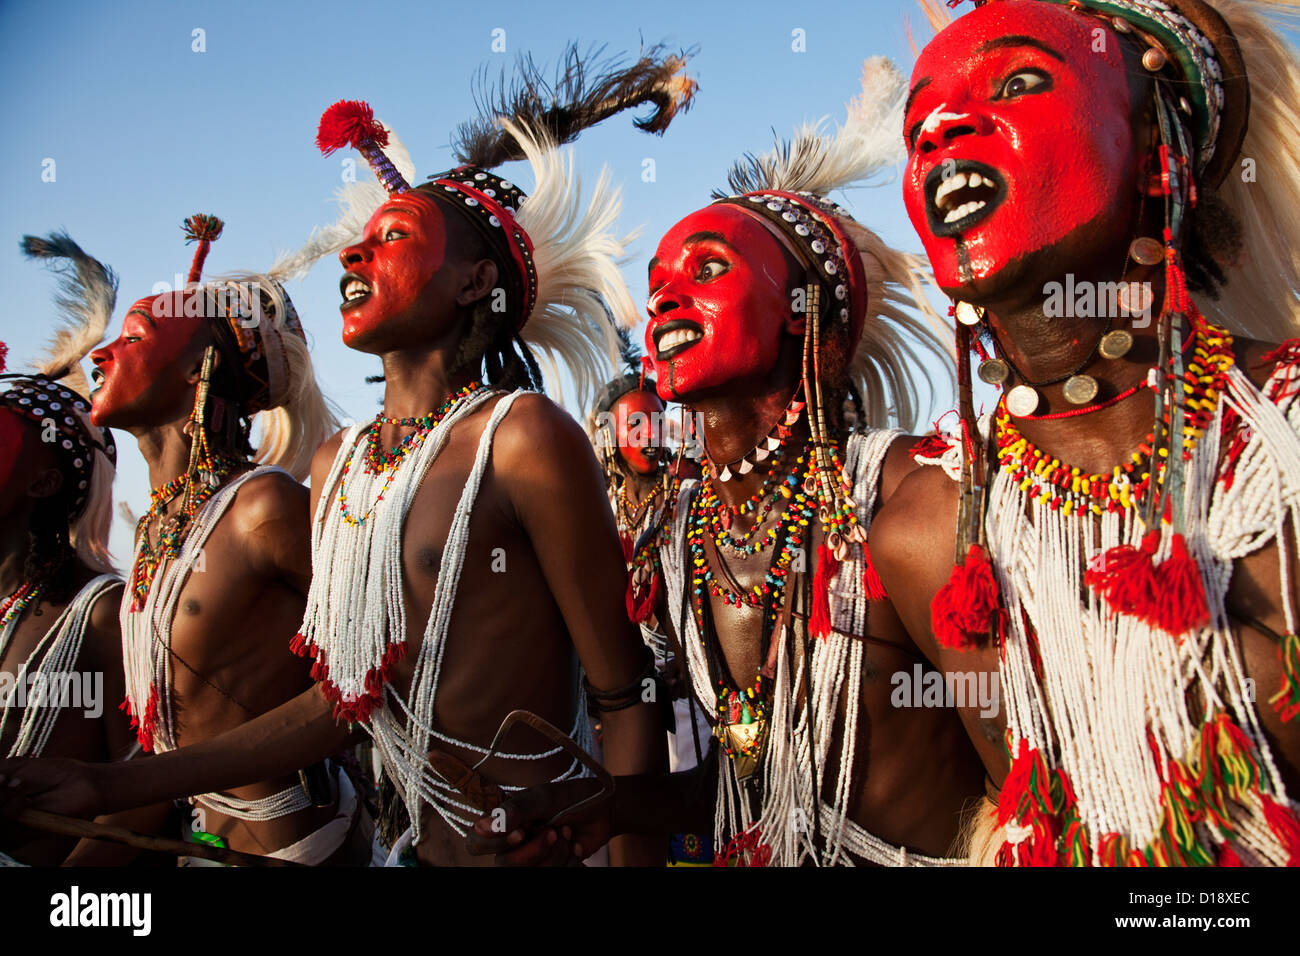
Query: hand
x: 69, y: 787
x: 518, y: 833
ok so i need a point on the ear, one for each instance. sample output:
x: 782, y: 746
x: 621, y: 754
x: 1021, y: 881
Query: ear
x: 196, y: 372
x: 478, y: 282
x: 46, y: 483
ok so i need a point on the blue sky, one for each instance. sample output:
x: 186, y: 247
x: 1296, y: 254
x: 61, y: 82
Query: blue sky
x: 144, y: 131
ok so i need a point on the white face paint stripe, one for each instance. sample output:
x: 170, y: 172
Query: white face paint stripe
x: 938, y: 117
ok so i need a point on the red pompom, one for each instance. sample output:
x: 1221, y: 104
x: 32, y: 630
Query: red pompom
x: 965, y: 609
x: 819, y: 621
x: 1126, y: 577
x: 1228, y: 856
x: 1180, y: 594
x: 202, y: 227
x: 4, y: 353
x: 349, y: 123
x: 872, y: 587
x: 1284, y: 826
x: 642, y: 600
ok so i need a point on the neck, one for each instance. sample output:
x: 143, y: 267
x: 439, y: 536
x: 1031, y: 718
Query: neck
x: 417, y: 382
x: 1043, y: 348
x: 734, y: 426
x: 639, y: 485
x: 166, y: 450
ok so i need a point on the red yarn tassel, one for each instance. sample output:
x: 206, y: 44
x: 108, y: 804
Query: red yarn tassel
x: 1180, y: 594
x: 641, y: 606
x: 1284, y: 826
x: 872, y: 587
x: 965, y: 609
x: 1228, y: 856
x: 349, y: 123
x: 626, y: 541
x: 205, y: 230
x: 819, y: 621
x: 1126, y: 577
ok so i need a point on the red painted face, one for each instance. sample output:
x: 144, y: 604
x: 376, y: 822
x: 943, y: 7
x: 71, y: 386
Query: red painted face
x: 388, y: 279
x: 719, y: 303
x: 639, y: 426
x: 1021, y: 144
x: 143, y: 372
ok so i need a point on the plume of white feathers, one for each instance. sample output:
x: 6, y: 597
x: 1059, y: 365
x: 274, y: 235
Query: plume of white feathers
x: 869, y: 142
x: 87, y: 295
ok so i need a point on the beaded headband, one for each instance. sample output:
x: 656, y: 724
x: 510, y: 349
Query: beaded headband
x: 47, y: 402
x: 491, y: 204
x: 808, y: 221
x: 489, y: 201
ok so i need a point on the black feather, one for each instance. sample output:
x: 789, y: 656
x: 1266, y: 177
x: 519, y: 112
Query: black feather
x: 579, y: 96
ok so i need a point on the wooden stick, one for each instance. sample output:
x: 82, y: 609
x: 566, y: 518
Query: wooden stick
x: 85, y: 829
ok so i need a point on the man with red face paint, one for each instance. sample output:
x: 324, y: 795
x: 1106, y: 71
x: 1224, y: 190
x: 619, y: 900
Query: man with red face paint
x: 1121, y: 543
x: 768, y: 310
x: 630, y: 431
x: 465, y: 562
x: 224, y: 543
x: 60, y: 648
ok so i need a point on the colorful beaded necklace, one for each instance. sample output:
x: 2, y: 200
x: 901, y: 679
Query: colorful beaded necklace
x: 16, y: 603
x: 1053, y: 483
x: 378, y: 462
x: 720, y: 516
x: 749, y: 705
x: 198, y: 487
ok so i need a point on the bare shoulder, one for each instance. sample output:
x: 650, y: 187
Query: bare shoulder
x: 537, y: 432
x: 324, y: 456
x: 103, y: 638
x: 104, y: 614
x: 898, y: 464
x: 916, y: 526
x: 270, y: 498
x: 1259, y: 359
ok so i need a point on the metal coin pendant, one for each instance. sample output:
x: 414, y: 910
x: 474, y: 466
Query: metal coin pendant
x: 1080, y: 389
x: 1135, y: 297
x: 994, y: 371
x: 968, y: 314
x: 1115, y: 344
x: 1022, y: 400
x: 1146, y: 251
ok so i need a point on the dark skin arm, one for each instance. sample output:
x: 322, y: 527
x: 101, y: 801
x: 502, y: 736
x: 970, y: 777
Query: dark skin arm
x: 298, y: 733
x: 659, y: 803
x: 577, y: 548
x: 663, y: 803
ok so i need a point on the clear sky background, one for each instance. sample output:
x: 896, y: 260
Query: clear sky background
x: 143, y: 130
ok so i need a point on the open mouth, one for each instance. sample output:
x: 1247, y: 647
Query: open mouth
x: 675, y: 337
x: 960, y: 194
x: 97, y: 379
x: 355, y: 290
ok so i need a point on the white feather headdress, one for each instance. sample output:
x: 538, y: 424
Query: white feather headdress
x: 573, y: 251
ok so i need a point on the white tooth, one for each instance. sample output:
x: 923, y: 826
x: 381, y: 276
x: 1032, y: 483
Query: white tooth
x: 948, y: 187
x: 976, y: 180
x: 979, y: 204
